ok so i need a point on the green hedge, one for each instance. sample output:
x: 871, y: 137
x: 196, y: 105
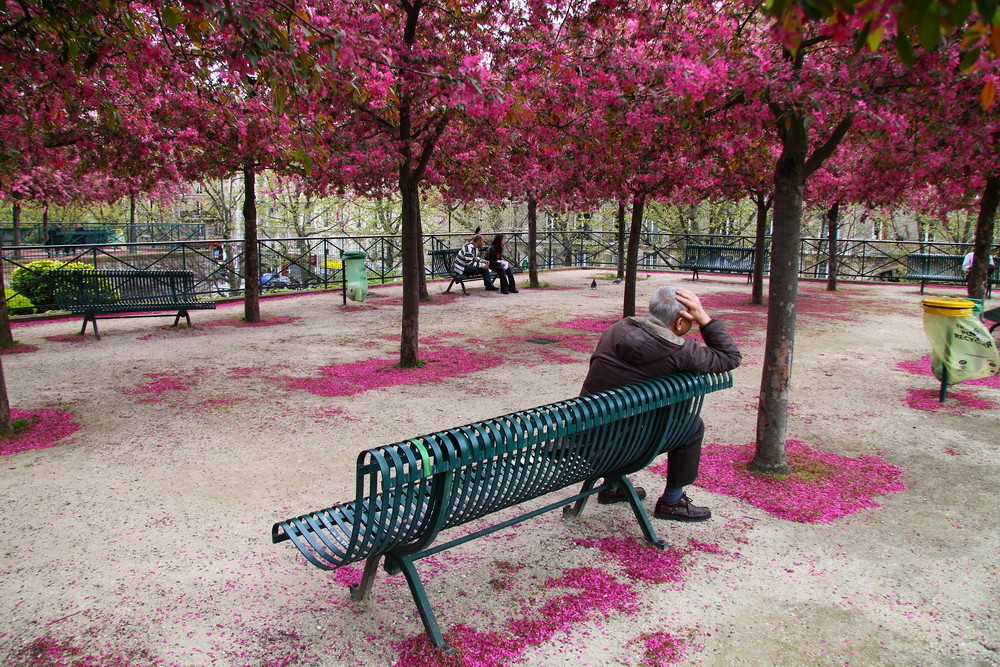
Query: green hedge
x: 18, y: 304
x: 32, y: 281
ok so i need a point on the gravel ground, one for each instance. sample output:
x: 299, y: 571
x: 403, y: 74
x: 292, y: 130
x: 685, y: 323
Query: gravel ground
x: 142, y: 537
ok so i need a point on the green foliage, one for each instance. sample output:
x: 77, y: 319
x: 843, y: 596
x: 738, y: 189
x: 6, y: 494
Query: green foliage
x: 32, y: 280
x: 18, y: 304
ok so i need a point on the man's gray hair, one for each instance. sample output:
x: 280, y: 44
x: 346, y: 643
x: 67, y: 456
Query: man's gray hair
x: 664, y: 306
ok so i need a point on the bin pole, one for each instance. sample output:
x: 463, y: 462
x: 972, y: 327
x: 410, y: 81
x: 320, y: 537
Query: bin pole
x: 944, y: 371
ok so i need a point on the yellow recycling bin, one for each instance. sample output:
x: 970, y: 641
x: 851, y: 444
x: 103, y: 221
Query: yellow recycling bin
x: 962, y: 347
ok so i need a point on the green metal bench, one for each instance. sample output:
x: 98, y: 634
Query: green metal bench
x: 115, y: 293
x: 718, y: 259
x: 934, y: 268
x: 442, y: 261
x: 411, y: 491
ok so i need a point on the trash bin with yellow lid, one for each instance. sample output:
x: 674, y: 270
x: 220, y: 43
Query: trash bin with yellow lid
x: 962, y: 347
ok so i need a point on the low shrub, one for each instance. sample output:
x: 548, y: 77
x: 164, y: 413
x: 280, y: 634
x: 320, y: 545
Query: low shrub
x: 32, y: 281
x: 18, y: 304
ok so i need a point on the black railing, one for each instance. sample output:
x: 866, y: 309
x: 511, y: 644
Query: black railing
x: 315, y: 262
x: 66, y: 234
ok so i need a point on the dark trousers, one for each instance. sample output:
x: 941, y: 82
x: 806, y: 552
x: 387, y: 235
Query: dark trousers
x: 682, y: 462
x: 506, y: 278
x: 485, y: 273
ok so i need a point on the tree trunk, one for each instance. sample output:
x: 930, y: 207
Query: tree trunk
x: 632, y: 261
x: 833, y: 222
x: 251, y: 259
x: 131, y: 235
x: 16, y: 223
x: 621, y: 241
x: 410, y: 232
x: 763, y: 203
x: 532, y: 242
x: 5, y: 425
x: 983, y: 245
x: 772, y: 412
x: 6, y: 335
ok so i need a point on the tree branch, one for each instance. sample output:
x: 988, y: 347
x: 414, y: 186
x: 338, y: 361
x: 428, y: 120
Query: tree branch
x: 815, y: 161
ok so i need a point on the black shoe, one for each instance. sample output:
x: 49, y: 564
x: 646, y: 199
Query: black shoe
x: 513, y: 290
x: 491, y: 288
x: 682, y: 510
x: 612, y: 496
x: 503, y: 291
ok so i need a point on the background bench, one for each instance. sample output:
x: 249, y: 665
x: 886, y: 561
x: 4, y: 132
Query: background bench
x: 442, y: 261
x: 992, y: 315
x: 718, y: 259
x: 936, y: 268
x: 408, y: 492
x: 942, y: 268
x: 109, y: 293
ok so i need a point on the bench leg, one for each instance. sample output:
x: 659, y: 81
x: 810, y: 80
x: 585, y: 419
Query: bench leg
x: 577, y: 507
x: 185, y: 315
x: 361, y: 590
x: 461, y: 283
x: 405, y: 565
x: 640, y: 514
x: 92, y: 319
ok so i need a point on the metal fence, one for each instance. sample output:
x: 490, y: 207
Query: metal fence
x: 64, y: 233
x: 315, y: 262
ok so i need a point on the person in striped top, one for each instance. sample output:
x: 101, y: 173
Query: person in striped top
x: 468, y: 262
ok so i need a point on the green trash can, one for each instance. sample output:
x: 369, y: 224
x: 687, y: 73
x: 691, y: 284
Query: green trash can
x: 355, y: 275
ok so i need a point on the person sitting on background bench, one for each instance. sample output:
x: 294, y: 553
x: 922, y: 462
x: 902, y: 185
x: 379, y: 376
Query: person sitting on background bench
x: 967, y: 264
x: 649, y: 346
x: 468, y: 262
x: 494, y: 255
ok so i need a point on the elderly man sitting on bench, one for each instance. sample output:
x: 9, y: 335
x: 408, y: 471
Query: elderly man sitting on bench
x: 649, y: 346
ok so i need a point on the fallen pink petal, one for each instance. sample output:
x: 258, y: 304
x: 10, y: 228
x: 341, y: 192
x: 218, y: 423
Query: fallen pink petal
x: 18, y: 349
x: 922, y: 366
x: 957, y: 401
x: 822, y: 488
x: 45, y: 428
x: 354, y: 378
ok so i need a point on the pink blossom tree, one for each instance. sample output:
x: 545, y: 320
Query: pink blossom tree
x: 395, y: 96
x: 814, y: 95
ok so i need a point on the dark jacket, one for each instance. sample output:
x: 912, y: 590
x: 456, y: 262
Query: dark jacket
x: 493, y: 256
x: 639, y: 348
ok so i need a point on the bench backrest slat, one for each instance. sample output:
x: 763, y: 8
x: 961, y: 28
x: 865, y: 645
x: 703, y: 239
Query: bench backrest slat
x: 408, y: 491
